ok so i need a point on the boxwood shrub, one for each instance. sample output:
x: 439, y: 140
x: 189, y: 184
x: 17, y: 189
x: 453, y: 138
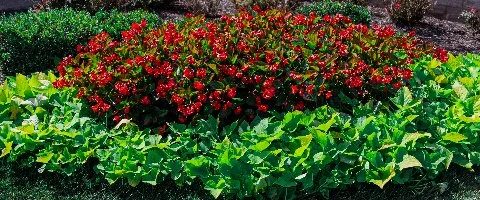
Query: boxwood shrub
x: 358, y: 14
x: 32, y: 41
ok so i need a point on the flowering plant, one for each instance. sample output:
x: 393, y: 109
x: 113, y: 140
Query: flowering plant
x: 239, y: 64
x: 409, y: 11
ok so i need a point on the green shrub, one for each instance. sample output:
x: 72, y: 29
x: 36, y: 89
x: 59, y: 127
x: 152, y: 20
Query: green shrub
x: 97, y: 5
x: 32, y: 41
x: 409, y: 11
x: 358, y: 14
x: 416, y: 135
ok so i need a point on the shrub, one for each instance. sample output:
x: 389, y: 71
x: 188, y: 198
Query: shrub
x: 472, y: 18
x: 272, y: 60
x: 430, y: 127
x: 358, y: 14
x: 210, y: 8
x: 95, y: 5
x: 357, y: 2
x: 33, y: 41
x: 268, y: 4
x: 409, y: 11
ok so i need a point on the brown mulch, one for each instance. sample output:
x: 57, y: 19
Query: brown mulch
x: 456, y: 37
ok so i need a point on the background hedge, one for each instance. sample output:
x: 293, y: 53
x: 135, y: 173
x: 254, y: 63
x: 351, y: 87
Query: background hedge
x: 358, y: 14
x: 34, y: 41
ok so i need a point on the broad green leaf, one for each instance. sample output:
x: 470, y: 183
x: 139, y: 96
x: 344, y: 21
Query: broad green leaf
x: 260, y: 146
x: 403, y: 97
x: 151, y: 177
x: 304, y: 144
x: 21, y: 85
x: 413, y: 137
x: 286, y: 180
x: 382, y: 177
x: 326, y: 126
x: 472, y: 119
x: 7, y: 149
x: 460, y: 91
x: 320, y: 136
x: 409, y: 161
x: 44, y: 157
x: 454, y: 137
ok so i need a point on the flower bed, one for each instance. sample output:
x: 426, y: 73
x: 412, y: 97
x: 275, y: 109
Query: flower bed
x: 431, y: 126
x: 272, y: 60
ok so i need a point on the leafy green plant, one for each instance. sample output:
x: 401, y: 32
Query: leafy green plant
x: 417, y: 134
x: 267, y: 4
x: 96, y: 5
x: 357, y: 13
x: 36, y: 41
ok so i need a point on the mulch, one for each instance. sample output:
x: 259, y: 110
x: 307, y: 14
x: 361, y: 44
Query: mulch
x: 456, y: 37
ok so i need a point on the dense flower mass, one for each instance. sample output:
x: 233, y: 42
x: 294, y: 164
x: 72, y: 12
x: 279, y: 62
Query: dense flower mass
x: 242, y: 63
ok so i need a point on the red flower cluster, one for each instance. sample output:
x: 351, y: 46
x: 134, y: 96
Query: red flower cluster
x: 237, y: 65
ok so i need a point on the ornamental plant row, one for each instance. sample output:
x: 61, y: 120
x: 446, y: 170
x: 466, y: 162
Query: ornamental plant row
x: 434, y: 124
x: 237, y: 65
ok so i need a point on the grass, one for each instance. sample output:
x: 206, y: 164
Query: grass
x: 27, y: 183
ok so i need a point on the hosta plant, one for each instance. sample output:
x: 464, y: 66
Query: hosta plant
x: 271, y: 60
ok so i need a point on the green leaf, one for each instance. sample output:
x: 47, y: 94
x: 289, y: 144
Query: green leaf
x: 304, y: 144
x: 7, y: 149
x: 409, y: 161
x: 320, y: 136
x: 44, y: 157
x: 454, y: 137
x: 286, y: 180
x: 260, y: 146
x: 21, y: 85
x: 459, y: 90
x: 381, y: 177
x: 403, y: 97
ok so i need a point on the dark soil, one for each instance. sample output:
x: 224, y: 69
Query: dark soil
x: 456, y: 37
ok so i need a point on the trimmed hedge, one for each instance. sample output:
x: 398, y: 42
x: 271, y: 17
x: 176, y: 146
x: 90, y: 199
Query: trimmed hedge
x: 416, y: 135
x: 37, y: 41
x: 358, y: 14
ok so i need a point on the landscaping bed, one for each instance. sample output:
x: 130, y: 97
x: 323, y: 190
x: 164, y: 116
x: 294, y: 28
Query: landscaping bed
x: 265, y: 103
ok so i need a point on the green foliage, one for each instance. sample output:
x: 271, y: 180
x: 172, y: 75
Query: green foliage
x: 35, y: 41
x: 423, y: 131
x: 95, y: 5
x: 358, y: 14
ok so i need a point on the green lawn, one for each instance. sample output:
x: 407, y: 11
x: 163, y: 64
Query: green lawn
x: 18, y: 183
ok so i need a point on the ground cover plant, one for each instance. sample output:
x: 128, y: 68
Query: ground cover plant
x: 418, y: 133
x: 237, y: 66
x: 36, y: 41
